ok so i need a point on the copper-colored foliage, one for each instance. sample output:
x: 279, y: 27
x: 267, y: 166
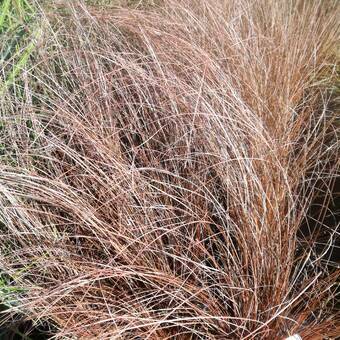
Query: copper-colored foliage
x: 177, y: 152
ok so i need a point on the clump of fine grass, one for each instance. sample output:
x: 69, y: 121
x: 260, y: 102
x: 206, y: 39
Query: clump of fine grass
x: 177, y: 152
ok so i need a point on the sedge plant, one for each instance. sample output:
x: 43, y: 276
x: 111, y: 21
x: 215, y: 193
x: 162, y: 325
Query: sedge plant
x: 178, y: 149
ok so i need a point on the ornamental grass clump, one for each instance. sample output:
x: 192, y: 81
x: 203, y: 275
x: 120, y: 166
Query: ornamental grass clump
x: 163, y: 186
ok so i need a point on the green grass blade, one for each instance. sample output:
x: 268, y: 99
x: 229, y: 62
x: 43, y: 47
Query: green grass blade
x: 4, y: 12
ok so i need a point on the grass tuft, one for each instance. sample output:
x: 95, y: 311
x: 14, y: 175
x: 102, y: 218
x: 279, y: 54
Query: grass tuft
x: 175, y: 170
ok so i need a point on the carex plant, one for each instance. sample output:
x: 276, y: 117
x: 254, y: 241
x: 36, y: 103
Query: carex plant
x: 178, y: 150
